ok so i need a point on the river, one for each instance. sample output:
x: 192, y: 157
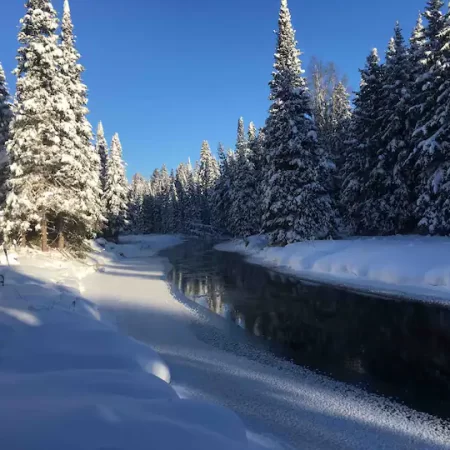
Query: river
x: 396, y: 348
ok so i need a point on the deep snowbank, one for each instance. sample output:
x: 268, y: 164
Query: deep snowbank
x: 69, y: 380
x: 411, y: 265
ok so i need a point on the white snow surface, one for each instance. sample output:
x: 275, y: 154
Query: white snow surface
x: 70, y: 377
x: 412, y: 266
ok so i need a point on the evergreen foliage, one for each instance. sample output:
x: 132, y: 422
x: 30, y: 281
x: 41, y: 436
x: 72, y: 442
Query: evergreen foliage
x: 297, y: 204
x: 116, y: 190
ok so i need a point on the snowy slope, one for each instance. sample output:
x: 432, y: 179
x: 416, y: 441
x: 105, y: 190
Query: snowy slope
x: 410, y: 265
x: 69, y: 379
x: 283, y: 406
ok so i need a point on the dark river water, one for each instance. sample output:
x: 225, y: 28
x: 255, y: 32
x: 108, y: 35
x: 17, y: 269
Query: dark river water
x: 396, y: 348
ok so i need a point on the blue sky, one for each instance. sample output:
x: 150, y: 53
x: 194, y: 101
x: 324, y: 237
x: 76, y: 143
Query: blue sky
x: 167, y: 74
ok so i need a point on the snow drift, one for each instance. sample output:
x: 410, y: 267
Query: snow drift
x: 410, y: 265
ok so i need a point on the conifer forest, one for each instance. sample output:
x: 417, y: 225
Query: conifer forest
x: 327, y: 162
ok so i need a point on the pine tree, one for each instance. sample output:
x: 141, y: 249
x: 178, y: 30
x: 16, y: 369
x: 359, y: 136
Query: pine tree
x: 429, y: 161
x: 387, y: 207
x: 244, y: 211
x: 258, y: 160
x: 80, y: 210
x: 35, y: 145
x: 148, y: 210
x: 297, y: 206
x: 363, y: 147
x: 207, y: 175
x: 102, y: 150
x: 138, y: 192
x: 183, y: 195
x: 221, y: 194
x: 417, y: 59
x: 155, y: 182
x: 341, y: 115
x: 5, y: 120
x: 163, y: 196
x: 321, y: 105
x: 116, y: 190
x: 174, y: 207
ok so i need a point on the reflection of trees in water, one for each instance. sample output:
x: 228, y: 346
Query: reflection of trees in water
x: 405, y: 343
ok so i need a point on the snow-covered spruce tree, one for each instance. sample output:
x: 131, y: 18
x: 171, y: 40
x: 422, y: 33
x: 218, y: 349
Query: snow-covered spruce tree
x: 181, y: 186
x: 195, y: 201
x: 137, y: 193
x: 148, y: 210
x: 167, y: 201
x: 387, y: 205
x: 244, y: 213
x: 160, y: 182
x: 79, y: 213
x: 258, y: 160
x: 429, y: 161
x: 221, y: 195
x: 363, y: 147
x: 241, y: 141
x: 116, y: 190
x: 35, y: 134
x: 174, y: 209
x: 341, y: 115
x: 417, y: 67
x: 187, y: 194
x: 321, y: 104
x: 5, y: 120
x: 297, y: 204
x: 207, y: 174
x: 102, y: 150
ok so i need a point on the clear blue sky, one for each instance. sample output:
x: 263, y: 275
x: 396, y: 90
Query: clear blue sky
x: 167, y: 74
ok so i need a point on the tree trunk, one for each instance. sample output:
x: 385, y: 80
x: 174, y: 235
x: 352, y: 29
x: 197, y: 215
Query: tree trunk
x: 44, y: 237
x: 61, y: 239
x: 23, y: 239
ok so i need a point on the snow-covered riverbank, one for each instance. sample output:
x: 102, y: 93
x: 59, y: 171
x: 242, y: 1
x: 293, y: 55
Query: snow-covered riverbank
x: 68, y: 377
x: 411, y: 266
x: 65, y: 360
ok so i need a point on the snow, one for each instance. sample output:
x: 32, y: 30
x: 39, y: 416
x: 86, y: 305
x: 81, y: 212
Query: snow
x: 412, y: 266
x: 71, y: 378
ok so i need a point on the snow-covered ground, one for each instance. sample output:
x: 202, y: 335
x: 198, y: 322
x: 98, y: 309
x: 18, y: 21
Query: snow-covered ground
x: 412, y: 266
x: 70, y: 378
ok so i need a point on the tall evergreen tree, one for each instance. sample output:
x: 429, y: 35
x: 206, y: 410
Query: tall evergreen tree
x: 429, y: 161
x: 102, y: 150
x: 363, y: 147
x: 298, y: 207
x: 183, y: 195
x: 341, y: 115
x: 387, y: 205
x: 221, y: 196
x: 148, y: 210
x: 244, y: 209
x: 161, y: 189
x: 116, y: 190
x: 80, y: 211
x: 207, y: 175
x: 156, y: 188
x: 259, y: 163
x: 138, y: 191
x: 35, y: 145
x: 417, y: 60
x: 5, y: 120
x: 241, y: 142
x: 194, y: 211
